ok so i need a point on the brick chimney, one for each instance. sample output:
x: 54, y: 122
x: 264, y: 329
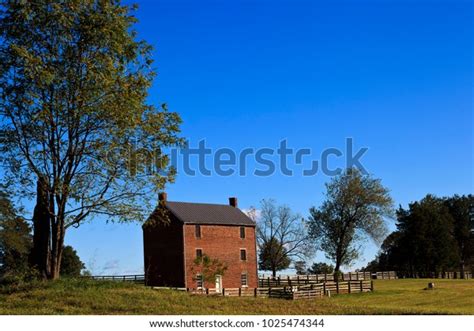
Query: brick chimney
x: 162, y: 197
x: 233, y: 202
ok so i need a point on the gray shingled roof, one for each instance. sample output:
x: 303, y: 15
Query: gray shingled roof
x: 204, y: 213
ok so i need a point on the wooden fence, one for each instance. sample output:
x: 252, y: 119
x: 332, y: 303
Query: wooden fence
x: 385, y: 275
x: 441, y: 275
x: 140, y: 279
x: 309, y: 291
x: 315, y: 279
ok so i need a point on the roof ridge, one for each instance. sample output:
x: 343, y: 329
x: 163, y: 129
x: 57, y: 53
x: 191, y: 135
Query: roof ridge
x: 200, y: 203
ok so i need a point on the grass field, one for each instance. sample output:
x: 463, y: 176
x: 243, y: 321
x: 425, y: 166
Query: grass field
x: 95, y: 297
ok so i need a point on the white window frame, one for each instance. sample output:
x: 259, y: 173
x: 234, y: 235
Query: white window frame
x: 199, y: 279
x: 246, y: 279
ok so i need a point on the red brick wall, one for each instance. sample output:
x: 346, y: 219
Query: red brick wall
x: 224, y: 243
x: 163, y: 253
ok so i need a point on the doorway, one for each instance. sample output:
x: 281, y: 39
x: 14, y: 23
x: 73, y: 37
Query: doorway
x: 218, y: 284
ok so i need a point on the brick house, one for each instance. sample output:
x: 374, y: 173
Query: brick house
x: 194, y: 229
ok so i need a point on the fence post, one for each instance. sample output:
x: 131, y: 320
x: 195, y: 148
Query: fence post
x: 307, y: 279
x: 324, y: 288
x: 207, y: 291
x: 361, y: 286
x: 289, y: 280
x: 371, y: 285
x: 349, y: 286
x: 268, y: 280
x: 240, y: 291
x: 255, y: 292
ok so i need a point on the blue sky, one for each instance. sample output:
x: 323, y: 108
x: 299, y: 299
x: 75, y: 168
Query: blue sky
x: 396, y: 76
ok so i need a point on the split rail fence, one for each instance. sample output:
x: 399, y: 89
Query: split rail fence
x: 319, y: 278
x: 139, y: 279
x: 310, y: 291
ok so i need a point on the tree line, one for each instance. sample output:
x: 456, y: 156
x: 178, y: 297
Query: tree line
x: 433, y: 235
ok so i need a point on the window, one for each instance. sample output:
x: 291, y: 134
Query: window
x: 199, y: 253
x: 242, y: 232
x: 243, y: 255
x: 198, y: 231
x: 243, y: 279
x: 199, y: 281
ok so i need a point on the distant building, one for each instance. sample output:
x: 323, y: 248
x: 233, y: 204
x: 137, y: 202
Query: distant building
x: 194, y: 229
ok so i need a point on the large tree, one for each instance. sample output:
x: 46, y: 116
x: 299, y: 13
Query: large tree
x: 75, y: 118
x: 354, y: 209
x: 281, y: 236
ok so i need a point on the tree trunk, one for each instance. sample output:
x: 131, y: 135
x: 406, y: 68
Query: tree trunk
x: 40, y: 253
x: 57, y: 250
x: 336, y: 270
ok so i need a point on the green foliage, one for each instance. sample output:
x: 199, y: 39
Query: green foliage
x: 71, y: 265
x: 432, y: 236
x: 459, y: 207
x: 321, y: 268
x: 74, y: 82
x: 272, y: 256
x: 300, y: 267
x: 209, y: 268
x: 354, y: 209
x: 15, y: 242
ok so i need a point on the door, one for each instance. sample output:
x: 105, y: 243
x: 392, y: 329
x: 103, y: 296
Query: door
x: 218, y: 284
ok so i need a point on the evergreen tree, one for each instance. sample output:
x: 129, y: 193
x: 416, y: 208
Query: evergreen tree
x: 321, y: 268
x: 273, y: 257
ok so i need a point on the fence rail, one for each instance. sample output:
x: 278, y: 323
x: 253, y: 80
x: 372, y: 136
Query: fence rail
x: 308, y: 291
x: 441, y: 275
x: 122, y: 278
x: 320, y: 278
x: 385, y: 275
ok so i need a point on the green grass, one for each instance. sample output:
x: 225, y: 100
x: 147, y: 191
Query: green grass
x: 96, y: 297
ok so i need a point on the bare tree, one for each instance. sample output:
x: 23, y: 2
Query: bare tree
x: 282, y: 236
